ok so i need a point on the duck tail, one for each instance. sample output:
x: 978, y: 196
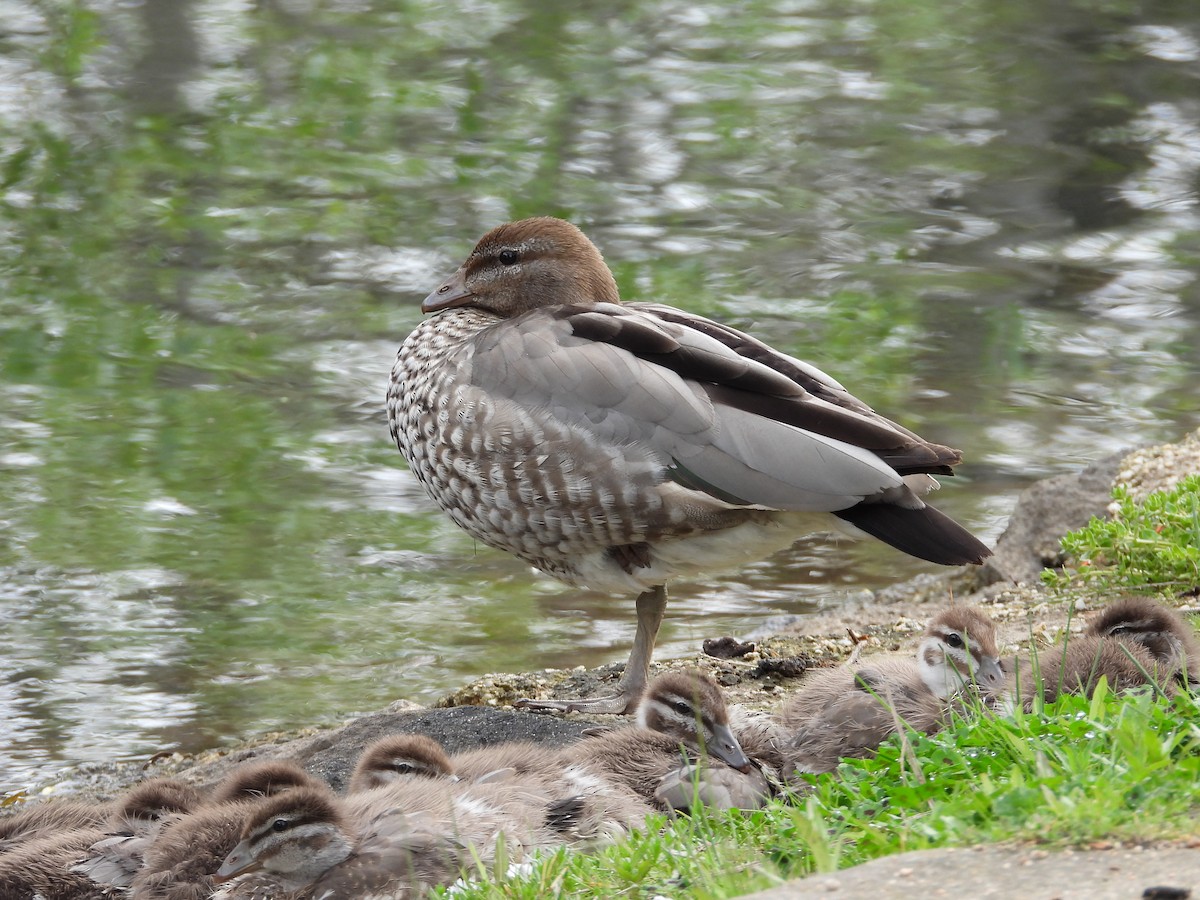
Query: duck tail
x: 924, y: 533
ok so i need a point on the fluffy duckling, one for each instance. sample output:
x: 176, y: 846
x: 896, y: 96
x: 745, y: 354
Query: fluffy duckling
x: 690, y: 707
x: 621, y: 445
x: 114, y: 861
x: 42, y: 866
x: 1077, y: 666
x: 849, y: 712
x: 585, y: 809
x: 681, y: 717
x: 400, y: 756
x: 46, y: 818
x: 388, y: 841
x: 1168, y: 638
x: 310, y: 841
x: 1131, y: 643
x: 180, y: 862
x: 403, y: 756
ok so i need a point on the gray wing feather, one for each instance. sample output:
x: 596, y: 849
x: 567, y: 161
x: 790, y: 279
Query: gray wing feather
x: 115, y: 860
x: 594, y: 386
x: 773, y: 464
x: 609, y: 395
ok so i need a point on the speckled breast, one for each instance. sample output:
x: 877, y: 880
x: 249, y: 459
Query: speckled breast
x: 514, y: 476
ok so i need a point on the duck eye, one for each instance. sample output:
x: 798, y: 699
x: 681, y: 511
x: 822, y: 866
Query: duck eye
x: 683, y: 708
x: 954, y: 639
x: 279, y: 825
x: 508, y: 257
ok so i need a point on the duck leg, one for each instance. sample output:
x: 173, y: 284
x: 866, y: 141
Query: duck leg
x: 651, y: 605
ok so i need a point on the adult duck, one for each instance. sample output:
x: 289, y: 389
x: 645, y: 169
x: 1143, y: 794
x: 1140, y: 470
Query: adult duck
x: 619, y: 445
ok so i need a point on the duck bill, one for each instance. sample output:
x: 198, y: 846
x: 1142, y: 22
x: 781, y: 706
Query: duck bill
x: 725, y: 747
x: 450, y: 294
x: 238, y: 862
x: 990, y: 676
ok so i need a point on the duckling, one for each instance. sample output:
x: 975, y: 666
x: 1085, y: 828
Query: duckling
x: 180, y: 862
x: 379, y: 842
x: 115, y: 860
x: 48, y: 817
x: 848, y: 713
x: 41, y: 866
x: 310, y: 841
x: 681, y: 716
x: 585, y: 808
x: 959, y: 641
x: 400, y: 756
x: 689, y: 705
x: 619, y: 446
x: 591, y: 808
x: 1077, y: 666
x: 1158, y: 628
x: 1131, y: 643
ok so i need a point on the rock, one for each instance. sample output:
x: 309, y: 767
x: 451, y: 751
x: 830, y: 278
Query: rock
x: 788, y: 666
x: 332, y: 754
x: 726, y: 647
x: 999, y: 871
x: 1044, y: 513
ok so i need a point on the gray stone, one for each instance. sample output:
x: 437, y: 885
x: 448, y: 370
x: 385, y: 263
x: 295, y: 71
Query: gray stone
x: 1044, y: 513
x: 332, y: 754
x: 999, y: 871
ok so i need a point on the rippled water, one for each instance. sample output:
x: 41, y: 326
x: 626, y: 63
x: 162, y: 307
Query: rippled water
x: 217, y: 220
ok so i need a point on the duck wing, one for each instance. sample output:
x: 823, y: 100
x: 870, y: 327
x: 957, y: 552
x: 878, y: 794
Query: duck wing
x: 718, y: 413
x: 715, y: 786
x: 114, y: 860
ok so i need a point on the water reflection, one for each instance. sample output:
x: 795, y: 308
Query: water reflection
x: 218, y: 219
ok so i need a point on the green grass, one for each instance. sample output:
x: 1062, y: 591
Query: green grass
x: 1109, y: 768
x: 1082, y: 770
x: 1152, y: 544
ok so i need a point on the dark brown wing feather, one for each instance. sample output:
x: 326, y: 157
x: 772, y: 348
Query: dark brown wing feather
x: 760, y: 380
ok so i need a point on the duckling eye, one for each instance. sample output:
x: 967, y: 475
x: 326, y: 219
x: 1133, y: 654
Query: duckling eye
x: 279, y: 825
x: 954, y: 639
x: 508, y: 257
x: 683, y: 708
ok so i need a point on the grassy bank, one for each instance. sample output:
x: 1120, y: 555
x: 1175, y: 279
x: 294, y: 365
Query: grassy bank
x: 1080, y: 771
